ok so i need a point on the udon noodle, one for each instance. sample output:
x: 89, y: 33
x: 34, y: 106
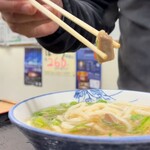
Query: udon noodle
x: 94, y: 119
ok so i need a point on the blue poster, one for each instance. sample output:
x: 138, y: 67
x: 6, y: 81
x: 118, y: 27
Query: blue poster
x: 33, y: 66
x: 88, y: 70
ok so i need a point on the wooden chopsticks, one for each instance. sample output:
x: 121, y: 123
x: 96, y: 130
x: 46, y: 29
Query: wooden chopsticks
x: 76, y: 20
x: 68, y: 28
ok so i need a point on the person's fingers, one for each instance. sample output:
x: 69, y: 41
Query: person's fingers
x: 35, y: 29
x: 13, y: 6
x: 24, y: 19
x: 21, y: 18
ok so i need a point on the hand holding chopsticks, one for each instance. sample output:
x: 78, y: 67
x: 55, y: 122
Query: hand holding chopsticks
x: 68, y: 28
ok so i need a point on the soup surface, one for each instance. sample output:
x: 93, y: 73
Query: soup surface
x: 94, y: 119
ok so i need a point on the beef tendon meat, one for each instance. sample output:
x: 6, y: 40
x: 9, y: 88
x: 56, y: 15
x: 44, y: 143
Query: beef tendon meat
x: 104, y: 42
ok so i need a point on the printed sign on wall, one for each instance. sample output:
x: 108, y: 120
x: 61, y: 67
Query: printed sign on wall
x: 59, y: 64
x: 33, y: 66
x: 88, y: 70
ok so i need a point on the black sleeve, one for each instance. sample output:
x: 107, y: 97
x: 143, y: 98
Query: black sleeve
x: 101, y: 14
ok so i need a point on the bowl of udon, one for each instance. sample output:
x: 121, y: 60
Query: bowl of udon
x: 89, y: 119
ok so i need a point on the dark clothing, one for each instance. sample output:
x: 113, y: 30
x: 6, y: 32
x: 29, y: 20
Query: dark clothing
x: 134, y: 19
x: 90, y: 11
x: 134, y: 55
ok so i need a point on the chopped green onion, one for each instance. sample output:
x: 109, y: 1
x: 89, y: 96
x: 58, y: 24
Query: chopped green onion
x: 73, y: 103
x: 102, y: 101
x: 135, y: 117
x: 40, y: 122
x: 56, y: 122
x: 144, y: 126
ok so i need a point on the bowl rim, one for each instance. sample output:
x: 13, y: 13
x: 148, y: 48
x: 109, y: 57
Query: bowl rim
x: 79, y: 138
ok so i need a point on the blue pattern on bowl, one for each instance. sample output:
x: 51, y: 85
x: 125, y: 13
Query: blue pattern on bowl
x: 92, y: 95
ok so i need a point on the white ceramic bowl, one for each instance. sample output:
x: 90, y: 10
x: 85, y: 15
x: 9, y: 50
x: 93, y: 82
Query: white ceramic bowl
x: 47, y: 140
